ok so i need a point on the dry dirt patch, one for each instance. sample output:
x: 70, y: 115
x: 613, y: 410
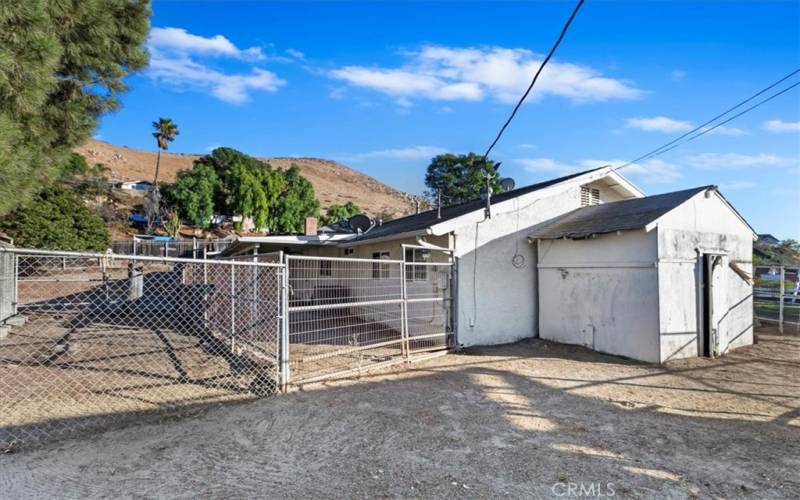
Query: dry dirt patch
x: 511, y: 420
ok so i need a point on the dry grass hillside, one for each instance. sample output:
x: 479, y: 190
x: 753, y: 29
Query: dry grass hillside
x: 333, y: 182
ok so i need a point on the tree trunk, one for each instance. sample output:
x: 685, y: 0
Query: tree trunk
x: 158, y: 165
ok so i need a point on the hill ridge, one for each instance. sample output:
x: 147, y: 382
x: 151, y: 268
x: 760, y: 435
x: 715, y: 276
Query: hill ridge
x: 334, y: 182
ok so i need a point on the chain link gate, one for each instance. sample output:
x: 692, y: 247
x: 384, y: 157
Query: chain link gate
x: 88, y: 340
x: 349, y: 315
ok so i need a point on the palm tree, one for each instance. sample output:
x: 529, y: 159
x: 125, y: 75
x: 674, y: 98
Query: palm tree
x: 165, y: 132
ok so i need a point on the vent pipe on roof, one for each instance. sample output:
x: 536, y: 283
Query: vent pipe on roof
x: 439, y: 203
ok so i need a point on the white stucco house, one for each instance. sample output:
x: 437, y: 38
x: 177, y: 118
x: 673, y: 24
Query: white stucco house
x: 509, y: 269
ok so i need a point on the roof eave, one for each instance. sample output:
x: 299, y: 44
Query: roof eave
x: 388, y: 237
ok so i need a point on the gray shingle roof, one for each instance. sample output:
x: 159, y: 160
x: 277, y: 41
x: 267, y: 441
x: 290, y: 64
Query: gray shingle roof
x: 611, y: 217
x: 427, y: 219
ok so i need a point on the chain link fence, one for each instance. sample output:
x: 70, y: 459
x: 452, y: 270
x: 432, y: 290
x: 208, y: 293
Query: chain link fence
x: 95, y: 339
x: 776, y: 296
x: 89, y: 341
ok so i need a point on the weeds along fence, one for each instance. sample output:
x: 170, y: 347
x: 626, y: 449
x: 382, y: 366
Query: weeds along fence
x: 90, y: 341
x: 776, y: 296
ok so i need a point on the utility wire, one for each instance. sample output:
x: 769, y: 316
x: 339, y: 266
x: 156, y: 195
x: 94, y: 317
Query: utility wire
x: 535, y: 77
x: 675, y: 142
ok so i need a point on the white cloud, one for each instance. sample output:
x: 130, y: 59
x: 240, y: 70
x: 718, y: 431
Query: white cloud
x: 180, y: 40
x: 550, y: 166
x: 731, y: 131
x: 410, y: 153
x: 173, y: 62
x: 718, y: 161
x: 473, y: 74
x: 660, y: 124
x: 527, y: 146
x: 670, y: 125
x: 295, y: 53
x: 652, y: 171
x: 736, y: 185
x: 232, y: 88
x: 781, y: 126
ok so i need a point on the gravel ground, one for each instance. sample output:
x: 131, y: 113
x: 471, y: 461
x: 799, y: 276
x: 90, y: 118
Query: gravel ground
x: 532, y: 419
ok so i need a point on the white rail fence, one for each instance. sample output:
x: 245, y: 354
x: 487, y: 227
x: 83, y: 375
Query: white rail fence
x: 776, y: 296
x: 88, y: 341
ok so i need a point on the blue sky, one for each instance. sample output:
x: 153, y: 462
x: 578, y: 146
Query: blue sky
x: 382, y: 87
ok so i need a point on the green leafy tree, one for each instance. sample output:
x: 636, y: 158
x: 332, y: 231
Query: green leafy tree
x: 790, y: 245
x: 459, y: 178
x: 57, y: 219
x: 62, y: 65
x: 194, y: 193
x: 248, y: 194
x: 336, y: 213
x: 276, y: 200
x: 295, y: 204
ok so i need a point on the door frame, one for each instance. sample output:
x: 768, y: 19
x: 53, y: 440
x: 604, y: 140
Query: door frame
x: 707, y: 335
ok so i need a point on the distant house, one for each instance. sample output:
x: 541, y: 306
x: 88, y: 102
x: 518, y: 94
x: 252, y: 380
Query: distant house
x: 584, y: 259
x: 142, y: 186
x: 768, y: 239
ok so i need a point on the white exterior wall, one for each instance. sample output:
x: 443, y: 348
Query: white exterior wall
x: 703, y: 225
x: 602, y: 293
x: 497, y: 303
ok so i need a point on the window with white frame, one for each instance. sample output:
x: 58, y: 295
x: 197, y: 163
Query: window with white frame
x: 381, y: 271
x: 418, y: 256
x: 589, y: 196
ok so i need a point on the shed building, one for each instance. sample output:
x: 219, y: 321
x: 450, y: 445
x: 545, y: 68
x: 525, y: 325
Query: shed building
x: 654, y: 278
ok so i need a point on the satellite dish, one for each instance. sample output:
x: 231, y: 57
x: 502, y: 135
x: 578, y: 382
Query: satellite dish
x: 507, y: 184
x: 359, y: 223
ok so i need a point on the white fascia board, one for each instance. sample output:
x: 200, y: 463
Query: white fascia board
x: 719, y: 195
x: 297, y: 240
x: 736, y: 213
x: 626, y: 184
x: 390, y: 237
x: 525, y: 199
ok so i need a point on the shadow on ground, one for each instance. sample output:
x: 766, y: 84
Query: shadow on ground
x: 525, y: 420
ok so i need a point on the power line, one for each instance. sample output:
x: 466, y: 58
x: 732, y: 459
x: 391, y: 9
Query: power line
x: 674, y: 143
x: 535, y: 77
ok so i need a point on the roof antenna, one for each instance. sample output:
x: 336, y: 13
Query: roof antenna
x: 439, y: 203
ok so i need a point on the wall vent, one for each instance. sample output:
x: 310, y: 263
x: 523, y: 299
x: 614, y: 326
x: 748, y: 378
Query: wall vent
x: 589, y: 196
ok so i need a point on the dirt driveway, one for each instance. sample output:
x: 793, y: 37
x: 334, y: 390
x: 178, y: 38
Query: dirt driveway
x: 533, y: 419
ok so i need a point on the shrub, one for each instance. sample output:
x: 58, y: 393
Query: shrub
x: 57, y: 219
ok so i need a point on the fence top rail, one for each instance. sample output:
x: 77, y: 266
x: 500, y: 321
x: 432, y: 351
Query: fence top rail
x: 115, y: 256
x: 344, y: 259
x: 429, y: 264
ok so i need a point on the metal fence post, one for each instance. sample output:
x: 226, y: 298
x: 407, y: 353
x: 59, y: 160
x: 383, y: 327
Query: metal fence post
x: 233, y: 303
x: 283, y: 357
x: 404, y: 344
x: 780, y: 299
